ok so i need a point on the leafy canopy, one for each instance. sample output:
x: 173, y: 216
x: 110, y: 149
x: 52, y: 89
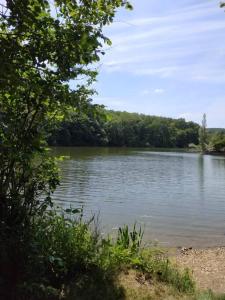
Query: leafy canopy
x: 44, y: 45
x: 47, y: 47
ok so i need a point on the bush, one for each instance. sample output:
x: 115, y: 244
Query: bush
x: 68, y: 257
x: 62, y: 248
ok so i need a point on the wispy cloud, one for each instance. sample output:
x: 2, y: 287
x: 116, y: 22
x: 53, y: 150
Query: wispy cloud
x: 156, y: 91
x: 171, y: 45
x: 159, y: 91
x: 167, y: 58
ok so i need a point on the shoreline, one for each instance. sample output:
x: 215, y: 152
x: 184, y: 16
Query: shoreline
x: 206, y: 264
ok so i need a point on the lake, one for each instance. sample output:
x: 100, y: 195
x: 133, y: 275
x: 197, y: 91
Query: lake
x: 178, y: 198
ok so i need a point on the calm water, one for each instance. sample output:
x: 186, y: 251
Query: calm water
x: 178, y: 197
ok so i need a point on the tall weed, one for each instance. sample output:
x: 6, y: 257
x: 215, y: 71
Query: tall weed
x: 68, y: 257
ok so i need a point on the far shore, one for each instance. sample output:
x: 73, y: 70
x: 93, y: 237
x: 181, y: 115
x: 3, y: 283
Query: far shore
x: 188, y: 150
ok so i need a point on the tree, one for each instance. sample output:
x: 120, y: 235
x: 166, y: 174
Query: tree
x: 44, y: 45
x: 203, y: 134
x: 115, y: 128
x: 217, y: 141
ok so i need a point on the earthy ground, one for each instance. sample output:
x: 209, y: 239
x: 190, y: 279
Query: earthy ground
x: 208, y: 266
x: 137, y: 287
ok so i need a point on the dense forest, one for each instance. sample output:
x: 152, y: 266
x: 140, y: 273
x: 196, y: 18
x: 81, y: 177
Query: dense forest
x: 115, y: 128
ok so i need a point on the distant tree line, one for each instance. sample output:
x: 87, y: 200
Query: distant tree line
x: 114, y: 128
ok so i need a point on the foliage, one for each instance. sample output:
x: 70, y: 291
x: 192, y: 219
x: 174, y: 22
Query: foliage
x: 44, y: 46
x: 217, y: 141
x: 67, y: 252
x: 82, y: 129
x: 156, y: 263
x: 131, y: 239
x: 62, y: 248
x: 112, y: 128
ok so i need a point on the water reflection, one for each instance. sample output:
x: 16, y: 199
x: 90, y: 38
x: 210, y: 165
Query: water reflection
x: 178, y: 196
x: 201, y: 173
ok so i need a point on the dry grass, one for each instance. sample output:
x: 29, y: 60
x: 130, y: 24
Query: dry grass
x: 206, y: 265
x: 138, y: 287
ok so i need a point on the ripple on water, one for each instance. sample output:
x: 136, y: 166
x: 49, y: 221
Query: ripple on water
x: 178, y: 196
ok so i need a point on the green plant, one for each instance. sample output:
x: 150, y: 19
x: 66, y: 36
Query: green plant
x: 45, y: 45
x: 66, y: 252
x: 68, y: 257
x: 155, y: 262
x: 132, y: 239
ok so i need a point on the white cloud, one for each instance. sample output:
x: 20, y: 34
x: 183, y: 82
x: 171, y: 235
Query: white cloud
x: 159, y: 91
x: 161, y: 71
x: 146, y: 92
x: 174, y: 46
x: 187, y: 13
x: 186, y: 44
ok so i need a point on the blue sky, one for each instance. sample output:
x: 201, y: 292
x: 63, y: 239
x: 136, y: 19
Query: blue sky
x: 168, y: 59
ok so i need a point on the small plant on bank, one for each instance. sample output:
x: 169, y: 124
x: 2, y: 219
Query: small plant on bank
x: 131, y: 239
x: 69, y: 260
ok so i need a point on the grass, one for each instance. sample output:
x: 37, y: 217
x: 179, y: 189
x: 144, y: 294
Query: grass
x: 70, y: 260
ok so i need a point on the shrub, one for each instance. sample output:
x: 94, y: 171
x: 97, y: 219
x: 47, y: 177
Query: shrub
x: 68, y: 257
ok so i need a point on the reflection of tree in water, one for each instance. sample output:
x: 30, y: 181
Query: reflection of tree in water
x: 79, y: 170
x: 82, y: 173
x: 201, y: 171
x: 75, y: 179
x: 124, y: 184
x: 78, y: 174
x: 219, y: 162
x: 210, y: 169
x: 201, y: 174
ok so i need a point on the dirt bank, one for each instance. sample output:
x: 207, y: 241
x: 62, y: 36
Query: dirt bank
x: 208, y: 266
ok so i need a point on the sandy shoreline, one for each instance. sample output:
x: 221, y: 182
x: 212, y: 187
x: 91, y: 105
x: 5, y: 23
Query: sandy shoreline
x: 207, y: 265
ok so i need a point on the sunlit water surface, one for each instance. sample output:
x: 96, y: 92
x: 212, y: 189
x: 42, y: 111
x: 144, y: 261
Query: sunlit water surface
x: 179, y: 198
